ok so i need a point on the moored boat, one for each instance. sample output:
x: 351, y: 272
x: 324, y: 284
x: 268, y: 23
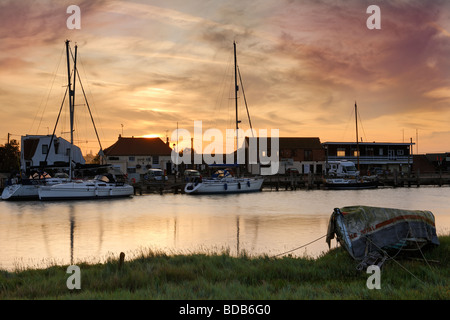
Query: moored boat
x: 105, y: 186
x: 102, y: 187
x: 223, y: 182
x: 349, y: 183
x: 28, y: 189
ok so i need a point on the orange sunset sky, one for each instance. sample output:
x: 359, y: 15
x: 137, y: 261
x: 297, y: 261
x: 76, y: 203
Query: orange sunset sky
x: 149, y: 65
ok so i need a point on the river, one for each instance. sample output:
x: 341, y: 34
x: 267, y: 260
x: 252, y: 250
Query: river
x: 39, y: 234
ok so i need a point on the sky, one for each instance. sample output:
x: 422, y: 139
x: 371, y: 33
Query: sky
x: 150, y: 66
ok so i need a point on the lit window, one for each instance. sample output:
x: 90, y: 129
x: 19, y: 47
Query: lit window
x: 341, y: 152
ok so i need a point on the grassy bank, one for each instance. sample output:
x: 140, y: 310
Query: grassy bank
x: 155, y: 275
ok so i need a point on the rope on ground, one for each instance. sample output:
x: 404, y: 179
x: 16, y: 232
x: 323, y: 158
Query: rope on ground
x: 392, y: 258
x: 300, y: 246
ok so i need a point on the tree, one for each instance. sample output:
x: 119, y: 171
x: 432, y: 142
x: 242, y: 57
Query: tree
x: 10, y: 157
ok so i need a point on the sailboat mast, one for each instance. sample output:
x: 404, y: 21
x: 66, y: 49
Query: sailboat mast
x: 236, y: 89
x: 71, y: 94
x: 71, y: 98
x: 357, y: 140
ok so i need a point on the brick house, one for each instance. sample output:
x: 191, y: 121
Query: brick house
x: 135, y: 156
x: 306, y: 154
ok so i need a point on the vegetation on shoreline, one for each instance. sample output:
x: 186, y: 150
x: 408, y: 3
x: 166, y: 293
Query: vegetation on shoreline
x: 219, y: 276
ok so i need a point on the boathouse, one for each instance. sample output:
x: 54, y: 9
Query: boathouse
x: 378, y: 157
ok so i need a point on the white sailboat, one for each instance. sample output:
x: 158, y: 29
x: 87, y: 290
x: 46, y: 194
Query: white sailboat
x: 28, y: 189
x: 101, y: 187
x: 223, y: 182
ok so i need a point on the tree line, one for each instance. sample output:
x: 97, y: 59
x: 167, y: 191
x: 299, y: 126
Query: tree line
x: 10, y: 157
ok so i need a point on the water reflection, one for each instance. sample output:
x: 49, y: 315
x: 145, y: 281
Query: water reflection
x: 36, y: 233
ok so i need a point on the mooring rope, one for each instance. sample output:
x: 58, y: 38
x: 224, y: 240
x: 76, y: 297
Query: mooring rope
x: 392, y: 258
x: 300, y: 246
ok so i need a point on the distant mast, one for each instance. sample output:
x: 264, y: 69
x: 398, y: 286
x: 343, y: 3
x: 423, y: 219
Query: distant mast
x: 236, y: 89
x: 71, y: 98
x: 357, y: 139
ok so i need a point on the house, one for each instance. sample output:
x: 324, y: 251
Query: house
x: 38, y: 151
x: 135, y: 156
x: 432, y: 162
x: 306, y: 154
x: 385, y: 156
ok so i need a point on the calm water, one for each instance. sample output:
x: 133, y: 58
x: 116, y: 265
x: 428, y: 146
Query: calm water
x: 39, y: 234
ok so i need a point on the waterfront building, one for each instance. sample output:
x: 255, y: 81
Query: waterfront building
x: 134, y: 156
x: 43, y: 151
x: 305, y: 155
x: 378, y: 157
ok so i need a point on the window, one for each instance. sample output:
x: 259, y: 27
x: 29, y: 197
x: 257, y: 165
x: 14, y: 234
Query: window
x: 308, y: 155
x: 400, y: 152
x: 113, y: 158
x: 155, y: 160
x: 341, y: 152
x: 130, y: 158
x: 56, y: 144
x: 131, y: 170
x: 44, y: 148
x: 356, y: 153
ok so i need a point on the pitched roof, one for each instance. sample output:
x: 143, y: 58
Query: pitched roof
x: 296, y: 143
x: 138, y: 147
x: 301, y: 143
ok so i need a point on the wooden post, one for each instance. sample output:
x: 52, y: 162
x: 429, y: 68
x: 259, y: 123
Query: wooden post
x: 121, y: 260
x: 418, y: 178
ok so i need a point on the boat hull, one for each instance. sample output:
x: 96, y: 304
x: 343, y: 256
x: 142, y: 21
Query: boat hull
x: 29, y: 189
x: 21, y: 192
x: 344, y: 184
x: 364, y: 229
x: 77, y: 191
x: 224, y: 186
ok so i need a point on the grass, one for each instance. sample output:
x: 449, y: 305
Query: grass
x: 219, y: 276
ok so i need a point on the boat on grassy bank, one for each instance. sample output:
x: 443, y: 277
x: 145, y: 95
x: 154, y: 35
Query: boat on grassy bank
x: 376, y: 233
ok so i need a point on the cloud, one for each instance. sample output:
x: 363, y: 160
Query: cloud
x: 303, y: 63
